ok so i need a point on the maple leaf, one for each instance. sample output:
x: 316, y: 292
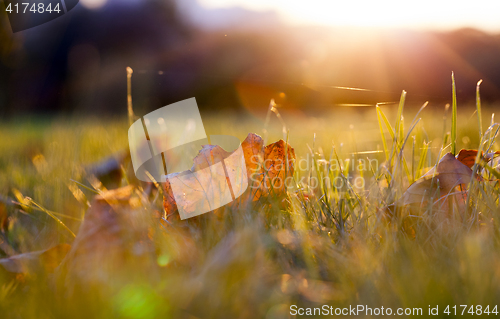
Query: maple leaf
x: 267, y: 169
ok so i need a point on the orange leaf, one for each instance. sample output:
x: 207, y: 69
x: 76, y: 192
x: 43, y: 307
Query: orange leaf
x: 266, y: 168
x: 467, y: 157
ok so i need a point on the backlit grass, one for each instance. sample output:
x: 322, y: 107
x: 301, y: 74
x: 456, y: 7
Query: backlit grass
x: 319, y: 245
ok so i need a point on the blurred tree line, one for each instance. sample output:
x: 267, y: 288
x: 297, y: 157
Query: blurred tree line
x: 76, y: 64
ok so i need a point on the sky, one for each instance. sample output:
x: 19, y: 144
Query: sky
x: 421, y: 14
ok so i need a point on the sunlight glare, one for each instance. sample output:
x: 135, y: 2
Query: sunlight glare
x: 424, y: 14
x: 93, y: 4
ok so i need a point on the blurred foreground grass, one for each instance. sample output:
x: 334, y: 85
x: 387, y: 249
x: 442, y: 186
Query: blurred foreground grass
x: 314, y: 247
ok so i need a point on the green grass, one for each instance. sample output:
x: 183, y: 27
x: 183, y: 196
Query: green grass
x: 317, y: 245
x: 454, y: 116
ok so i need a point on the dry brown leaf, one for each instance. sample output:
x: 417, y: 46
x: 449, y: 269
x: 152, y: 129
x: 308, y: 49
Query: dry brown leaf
x: 279, y: 159
x: 208, y: 156
x: 253, y: 150
x: 206, y: 186
x: 449, y: 178
x: 266, y: 168
x: 467, y: 157
x: 169, y: 200
x: 28, y: 264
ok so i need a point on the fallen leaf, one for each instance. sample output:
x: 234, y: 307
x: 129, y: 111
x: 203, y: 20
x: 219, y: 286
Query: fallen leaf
x: 253, y: 150
x: 169, y: 200
x: 267, y: 170
x: 468, y: 157
x: 208, y: 156
x: 279, y: 159
x: 214, y: 181
x: 449, y: 178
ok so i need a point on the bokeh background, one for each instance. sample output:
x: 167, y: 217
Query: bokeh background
x: 63, y: 138
x: 235, y: 55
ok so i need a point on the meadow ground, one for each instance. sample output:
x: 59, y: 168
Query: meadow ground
x: 315, y: 246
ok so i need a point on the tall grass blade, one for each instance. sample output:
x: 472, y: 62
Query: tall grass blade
x: 478, y: 107
x: 399, y: 117
x: 386, y: 121
x: 491, y: 125
x: 421, y: 162
x: 445, y: 119
x: 413, y: 160
x: 53, y: 216
x: 85, y: 186
x: 384, y: 143
x: 129, y: 96
x: 454, y: 116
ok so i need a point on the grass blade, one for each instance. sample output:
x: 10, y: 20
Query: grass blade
x: 454, y: 116
x: 400, y: 113
x: 54, y: 217
x: 384, y: 143
x: 478, y: 107
x: 421, y: 162
x: 85, y: 186
x: 129, y: 96
x: 386, y: 121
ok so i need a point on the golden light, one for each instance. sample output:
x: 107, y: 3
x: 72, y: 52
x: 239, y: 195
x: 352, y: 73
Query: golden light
x: 93, y: 4
x: 422, y: 14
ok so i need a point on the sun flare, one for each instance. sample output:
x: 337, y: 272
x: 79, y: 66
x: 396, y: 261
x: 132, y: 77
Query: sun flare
x: 424, y: 14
